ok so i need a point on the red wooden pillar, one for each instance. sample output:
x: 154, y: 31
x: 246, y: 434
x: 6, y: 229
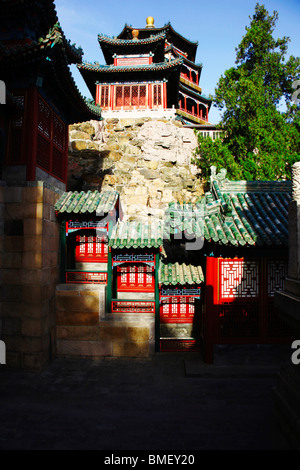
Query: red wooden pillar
x: 165, y: 95
x: 65, y: 155
x: 150, y: 89
x: 112, y: 90
x: 211, y: 307
x: 97, y: 98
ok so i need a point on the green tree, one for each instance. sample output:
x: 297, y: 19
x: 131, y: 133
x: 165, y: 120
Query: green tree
x: 260, y: 142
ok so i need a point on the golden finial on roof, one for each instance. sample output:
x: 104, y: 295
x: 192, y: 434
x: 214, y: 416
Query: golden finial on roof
x: 135, y: 34
x: 150, y: 22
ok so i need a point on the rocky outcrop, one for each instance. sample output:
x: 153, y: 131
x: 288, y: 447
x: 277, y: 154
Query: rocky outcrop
x: 147, y: 161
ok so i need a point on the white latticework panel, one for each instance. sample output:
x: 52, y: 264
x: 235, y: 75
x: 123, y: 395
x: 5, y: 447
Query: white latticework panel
x: 238, y: 279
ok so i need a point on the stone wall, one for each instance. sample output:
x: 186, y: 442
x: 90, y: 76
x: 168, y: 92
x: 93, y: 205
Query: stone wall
x: 84, y: 330
x: 29, y: 251
x: 287, y: 303
x: 147, y: 161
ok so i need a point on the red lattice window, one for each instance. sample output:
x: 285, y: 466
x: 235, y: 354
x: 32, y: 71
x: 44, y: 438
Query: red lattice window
x: 58, y: 133
x: 157, y: 95
x: 129, y: 96
x: 142, y: 96
x: 238, y: 279
x: 119, y: 96
x: 104, y: 96
x: 43, y: 152
x: 51, y: 141
x: 135, y: 278
x: 177, y: 309
x: 90, y: 248
x: 44, y: 118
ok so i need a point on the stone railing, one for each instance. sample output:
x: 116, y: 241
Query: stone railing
x: 158, y: 113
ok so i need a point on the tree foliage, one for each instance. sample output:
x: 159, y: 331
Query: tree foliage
x: 260, y: 141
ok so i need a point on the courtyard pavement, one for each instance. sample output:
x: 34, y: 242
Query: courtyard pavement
x: 171, y: 402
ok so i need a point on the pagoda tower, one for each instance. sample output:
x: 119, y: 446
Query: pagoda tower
x: 150, y: 69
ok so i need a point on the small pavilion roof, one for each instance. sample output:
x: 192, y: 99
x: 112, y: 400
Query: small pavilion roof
x: 85, y: 203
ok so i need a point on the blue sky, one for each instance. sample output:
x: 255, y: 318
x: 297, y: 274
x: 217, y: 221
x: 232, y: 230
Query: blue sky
x: 217, y: 25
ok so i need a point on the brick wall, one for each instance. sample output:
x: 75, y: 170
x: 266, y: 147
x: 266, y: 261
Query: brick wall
x: 29, y: 255
x: 83, y: 328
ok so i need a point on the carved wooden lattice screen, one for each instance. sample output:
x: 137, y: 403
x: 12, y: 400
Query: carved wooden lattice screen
x: 51, y: 141
x: 157, y: 95
x: 177, y: 309
x: 104, y: 96
x: 91, y: 249
x: 239, y: 285
x: 135, y: 278
x: 129, y: 96
x: 246, y: 299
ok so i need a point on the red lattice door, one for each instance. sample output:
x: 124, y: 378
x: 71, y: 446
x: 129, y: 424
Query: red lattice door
x: 239, y: 295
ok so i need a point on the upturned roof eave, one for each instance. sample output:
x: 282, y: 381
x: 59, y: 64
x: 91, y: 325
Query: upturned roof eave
x: 191, y: 45
x: 111, y: 46
x: 134, y: 68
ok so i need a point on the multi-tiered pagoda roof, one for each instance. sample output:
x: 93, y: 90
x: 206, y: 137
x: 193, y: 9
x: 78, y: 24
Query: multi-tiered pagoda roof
x: 137, y: 59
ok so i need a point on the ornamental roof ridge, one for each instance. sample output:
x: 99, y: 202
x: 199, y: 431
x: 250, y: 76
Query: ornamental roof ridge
x: 124, y: 68
x: 165, y: 27
x: 54, y: 36
x: 117, y: 41
x: 198, y: 65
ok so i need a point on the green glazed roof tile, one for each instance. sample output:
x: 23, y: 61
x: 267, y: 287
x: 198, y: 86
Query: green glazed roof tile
x: 179, y: 273
x: 90, y: 202
x: 238, y: 213
x: 134, y: 234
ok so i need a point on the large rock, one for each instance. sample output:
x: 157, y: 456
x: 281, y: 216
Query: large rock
x: 166, y: 142
x: 147, y: 161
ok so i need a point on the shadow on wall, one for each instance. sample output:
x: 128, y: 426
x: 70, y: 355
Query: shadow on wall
x: 87, y: 169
